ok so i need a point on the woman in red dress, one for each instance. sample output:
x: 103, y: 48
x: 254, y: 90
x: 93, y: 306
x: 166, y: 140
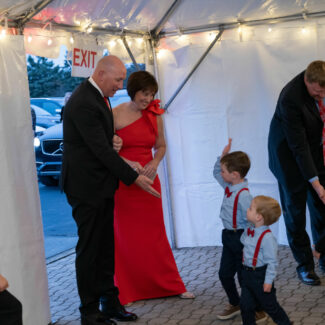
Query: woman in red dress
x: 144, y: 263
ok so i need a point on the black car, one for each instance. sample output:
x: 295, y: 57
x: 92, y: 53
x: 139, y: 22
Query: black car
x: 52, y: 105
x: 48, y: 152
x: 44, y: 118
x: 49, y: 147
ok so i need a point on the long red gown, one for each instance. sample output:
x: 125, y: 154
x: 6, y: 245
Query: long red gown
x: 144, y: 263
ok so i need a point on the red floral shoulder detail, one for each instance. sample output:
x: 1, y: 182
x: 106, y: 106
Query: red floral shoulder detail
x: 151, y: 112
x: 154, y: 107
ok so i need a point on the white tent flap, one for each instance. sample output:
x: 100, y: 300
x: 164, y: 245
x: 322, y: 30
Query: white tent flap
x: 232, y: 94
x: 22, y: 259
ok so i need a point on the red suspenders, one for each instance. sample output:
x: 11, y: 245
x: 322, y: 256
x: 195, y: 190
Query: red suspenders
x: 258, y: 246
x: 234, y: 213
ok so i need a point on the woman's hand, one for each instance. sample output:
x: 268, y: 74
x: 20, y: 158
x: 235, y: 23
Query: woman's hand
x: 136, y: 166
x: 150, y: 169
x: 117, y: 143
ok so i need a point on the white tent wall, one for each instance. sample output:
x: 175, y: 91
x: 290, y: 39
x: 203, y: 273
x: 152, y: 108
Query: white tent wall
x: 22, y: 259
x: 232, y: 94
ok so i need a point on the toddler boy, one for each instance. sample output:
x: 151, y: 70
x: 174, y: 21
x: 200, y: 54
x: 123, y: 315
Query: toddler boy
x: 260, y: 263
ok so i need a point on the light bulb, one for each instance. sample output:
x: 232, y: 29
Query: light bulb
x: 49, y: 42
x: 161, y: 54
x: 29, y: 38
x: 71, y: 40
x: 211, y: 36
x: 112, y: 43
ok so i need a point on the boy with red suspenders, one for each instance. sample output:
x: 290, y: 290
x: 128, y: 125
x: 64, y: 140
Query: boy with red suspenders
x: 260, y: 262
x: 230, y: 171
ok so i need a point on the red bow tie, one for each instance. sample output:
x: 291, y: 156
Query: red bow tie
x: 250, y: 232
x: 227, y: 192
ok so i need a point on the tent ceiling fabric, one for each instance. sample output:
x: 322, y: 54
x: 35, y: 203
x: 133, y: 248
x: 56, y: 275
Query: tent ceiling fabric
x: 144, y: 15
x: 193, y: 13
x: 126, y: 14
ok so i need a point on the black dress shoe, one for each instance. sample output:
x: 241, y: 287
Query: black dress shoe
x: 308, y: 277
x: 120, y: 314
x: 96, y: 319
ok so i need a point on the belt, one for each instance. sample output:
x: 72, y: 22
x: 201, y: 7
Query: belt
x: 248, y: 268
x: 232, y: 230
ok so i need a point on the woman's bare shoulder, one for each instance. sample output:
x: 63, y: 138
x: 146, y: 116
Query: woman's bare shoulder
x: 119, y: 109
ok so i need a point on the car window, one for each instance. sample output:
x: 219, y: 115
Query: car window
x: 51, y: 107
x: 40, y: 111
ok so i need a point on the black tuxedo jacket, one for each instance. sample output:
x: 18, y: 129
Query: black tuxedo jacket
x: 295, y: 137
x: 90, y: 166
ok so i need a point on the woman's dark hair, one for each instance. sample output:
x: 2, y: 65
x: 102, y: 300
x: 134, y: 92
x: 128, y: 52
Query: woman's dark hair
x: 141, y: 80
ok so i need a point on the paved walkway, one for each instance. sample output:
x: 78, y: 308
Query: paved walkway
x: 199, y: 270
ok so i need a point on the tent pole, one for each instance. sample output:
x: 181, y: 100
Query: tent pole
x: 193, y: 70
x: 39, y: 7
x: 155, y: 32
x: 126, y: 45
x: 165, y: 164
x: 234, y: 24
x: 96, y: 30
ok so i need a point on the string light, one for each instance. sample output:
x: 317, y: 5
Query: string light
x: 4, y: 29
x: 112, y: 43
x: 161, y: 53
x: 269, y: 29
x: 304, y: 30
x: 211, y: 36
x: 89, y: 29
x: 29, y: 38
x: 71, y: 40
x: 182, y: 37
x: 139, y: 40
x: 49, y: 41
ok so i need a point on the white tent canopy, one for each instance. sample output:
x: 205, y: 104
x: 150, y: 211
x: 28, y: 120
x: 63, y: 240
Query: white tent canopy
x: 244, y: 52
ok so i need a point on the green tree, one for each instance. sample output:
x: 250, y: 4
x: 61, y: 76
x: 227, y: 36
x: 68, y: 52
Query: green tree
x: 44, y: 77
x: 69, y: 83
x: 49, y: 80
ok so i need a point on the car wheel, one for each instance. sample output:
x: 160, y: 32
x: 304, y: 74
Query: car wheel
x: 48, y: 180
